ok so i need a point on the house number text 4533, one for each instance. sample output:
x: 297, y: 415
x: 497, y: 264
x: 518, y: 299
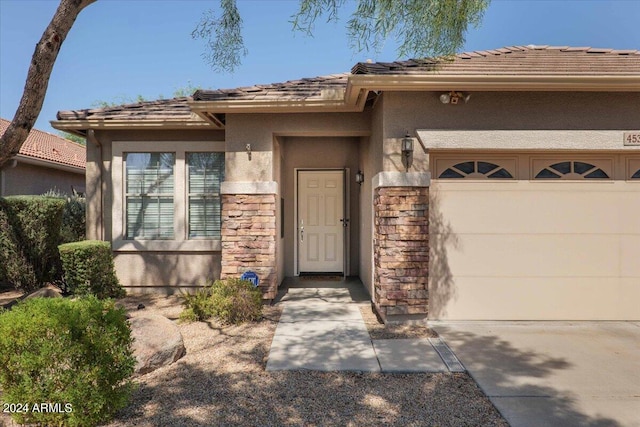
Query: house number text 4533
x: 631, y: 138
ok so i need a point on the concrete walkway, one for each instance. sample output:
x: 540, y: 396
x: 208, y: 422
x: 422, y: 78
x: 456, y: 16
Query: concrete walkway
x: 322, y: 329
x: 553, y: 373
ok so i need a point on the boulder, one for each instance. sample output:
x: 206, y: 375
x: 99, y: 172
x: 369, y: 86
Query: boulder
x: 44, y: 293
x: 157, y: 342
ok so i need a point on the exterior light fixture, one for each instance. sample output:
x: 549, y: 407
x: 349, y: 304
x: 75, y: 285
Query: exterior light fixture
x: 454, y: 97
x: 407, y: 151
x: 249, y: 151
x: 360, y: 177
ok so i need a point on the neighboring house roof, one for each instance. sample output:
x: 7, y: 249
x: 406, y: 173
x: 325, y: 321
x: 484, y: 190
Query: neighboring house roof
x: 541, y: 68
x: 50, y: 148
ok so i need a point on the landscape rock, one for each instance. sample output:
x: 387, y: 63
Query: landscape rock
x: 44, y: 293
x: 157, y: 342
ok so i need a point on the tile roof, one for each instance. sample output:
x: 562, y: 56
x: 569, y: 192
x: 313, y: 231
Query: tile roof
x: 322, y: 87
x: 163, y: 109
x: 507, y: 61
x: 517, y: 60
x: 45, y: 146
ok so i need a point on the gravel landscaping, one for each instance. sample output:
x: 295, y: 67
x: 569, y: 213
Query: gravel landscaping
x: 222, y: 381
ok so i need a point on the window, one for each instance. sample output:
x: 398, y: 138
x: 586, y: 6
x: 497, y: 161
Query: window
x: 476, y: 170
x: 572, y: 170
x: 206, y: 173
x: 166, y: 195
x: 149, y: 195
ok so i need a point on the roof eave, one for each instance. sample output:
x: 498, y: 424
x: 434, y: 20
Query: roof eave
x: 77, y: 125
x: 35, y: 161
x: 280, y: 106
x: 504, y: 82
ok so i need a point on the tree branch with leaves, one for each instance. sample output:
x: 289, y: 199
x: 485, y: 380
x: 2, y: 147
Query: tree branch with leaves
x: 420, y: 27
x: 35, y: 87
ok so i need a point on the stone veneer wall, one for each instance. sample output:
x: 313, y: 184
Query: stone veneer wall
x: 249, y: 238
x: 401, y: 252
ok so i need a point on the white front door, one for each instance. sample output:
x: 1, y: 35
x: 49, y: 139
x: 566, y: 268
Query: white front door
x: 320, y: 225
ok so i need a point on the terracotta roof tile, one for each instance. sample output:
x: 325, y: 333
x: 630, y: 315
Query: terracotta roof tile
x: 46, y: 146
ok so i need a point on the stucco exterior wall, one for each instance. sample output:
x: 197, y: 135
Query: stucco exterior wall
x: 31, y: 179
x: 142, y: 270
x: 321, y: 152
x: 167, y: 272
x: 370, y: 164
x: 259, y: 130
x: 408, y: 111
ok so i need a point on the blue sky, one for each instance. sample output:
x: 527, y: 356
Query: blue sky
x: 120, y: 49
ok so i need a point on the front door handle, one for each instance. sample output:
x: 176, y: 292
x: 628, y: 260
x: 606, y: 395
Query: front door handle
x: 344, y: 221
x: 302, y: 230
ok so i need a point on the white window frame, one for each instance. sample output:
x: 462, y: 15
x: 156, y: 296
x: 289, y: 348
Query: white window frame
x: 180, y: 242
x: 537, y: 164
x: 444, y: 162
x: 633, y: 163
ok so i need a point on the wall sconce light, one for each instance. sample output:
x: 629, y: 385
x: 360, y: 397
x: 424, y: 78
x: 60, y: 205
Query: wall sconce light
x: 407, y: 151
x: 359, y: 177
x: 454, y: 97
x: 249, y: 151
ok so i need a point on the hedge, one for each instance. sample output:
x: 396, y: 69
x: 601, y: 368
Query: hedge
x: 29, y: 236
x: 88, y: 269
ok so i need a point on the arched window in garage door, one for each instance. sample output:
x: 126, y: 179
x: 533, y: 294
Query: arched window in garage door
x: 573, y: 169
x: 476, y: 169
x: 633, y: 168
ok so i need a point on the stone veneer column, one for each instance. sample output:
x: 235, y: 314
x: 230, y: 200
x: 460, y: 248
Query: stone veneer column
x: 249, y: 233
x: 401, y: 245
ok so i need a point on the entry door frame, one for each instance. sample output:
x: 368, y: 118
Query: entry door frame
x: 345, y: 207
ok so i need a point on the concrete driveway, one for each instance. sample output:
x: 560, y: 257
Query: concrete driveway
x: 553, y: 373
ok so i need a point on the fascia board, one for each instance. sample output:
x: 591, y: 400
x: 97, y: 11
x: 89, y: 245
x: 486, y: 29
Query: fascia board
x: 128, y: 124
x: 617, y: 83
x: 302, y: 106
x: 21, y: 158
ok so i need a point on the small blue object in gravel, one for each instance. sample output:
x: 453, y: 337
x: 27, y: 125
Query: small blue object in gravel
x: 252, y: 277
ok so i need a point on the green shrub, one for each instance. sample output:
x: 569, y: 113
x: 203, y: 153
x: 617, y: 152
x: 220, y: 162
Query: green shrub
x: 74, y: 221
x: 231, y: 301
x: 29, y: 237
x: 197, y: 305
x: 75, y: 353
x: 88, y: 269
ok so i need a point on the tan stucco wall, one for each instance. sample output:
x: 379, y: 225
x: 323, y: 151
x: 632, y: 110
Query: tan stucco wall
x: 259, y: 130
x: 408, y: 111
x: 32, y: 179
x: 370, y: 164
x: 145, y: 268
x: 166, y: 271
x: 321, y: 152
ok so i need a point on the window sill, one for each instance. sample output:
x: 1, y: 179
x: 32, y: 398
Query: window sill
x: 166, y: 245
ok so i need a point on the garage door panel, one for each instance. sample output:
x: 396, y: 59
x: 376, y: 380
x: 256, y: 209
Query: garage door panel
x: 553, y: 298
x: 534, y: 255
x: 630, y: 256
x: 533, y: 207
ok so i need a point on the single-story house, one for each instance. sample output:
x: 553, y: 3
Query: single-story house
x: 44, y: 162
x: 498, y: 184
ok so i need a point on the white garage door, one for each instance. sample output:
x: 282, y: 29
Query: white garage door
x: 534, y: 237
